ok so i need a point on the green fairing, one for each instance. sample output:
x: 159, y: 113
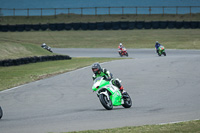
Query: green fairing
x: 116, y: 99
x: 115, y: 93
x: 161, y: 50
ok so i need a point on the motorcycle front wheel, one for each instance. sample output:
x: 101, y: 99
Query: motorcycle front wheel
x: 105, y: 102
x: 1, y: 113
x: 120, y: 54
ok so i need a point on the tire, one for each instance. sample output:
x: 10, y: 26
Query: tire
x: 127, y: 101
x: 106, y: 102
x: 1, y: 113
x: 120, y: 54
x: 164, y: 53
x: 127, y: 54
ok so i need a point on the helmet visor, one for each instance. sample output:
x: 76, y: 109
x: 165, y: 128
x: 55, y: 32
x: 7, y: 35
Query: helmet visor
x: 95, y: 70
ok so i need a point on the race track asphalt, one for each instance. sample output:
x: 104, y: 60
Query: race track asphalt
x: 163, y: 90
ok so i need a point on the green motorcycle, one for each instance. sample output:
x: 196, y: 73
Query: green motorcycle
x: 109, y: 95
x: 161, y: 50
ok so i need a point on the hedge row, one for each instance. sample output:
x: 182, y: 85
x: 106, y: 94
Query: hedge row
x: 27, y: 60
x: 103, y: 26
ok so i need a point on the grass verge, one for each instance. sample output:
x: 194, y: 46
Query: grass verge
x: 170, y: 38
x: 13, y: 50
x: 182, y: 127
x: 18, y: 75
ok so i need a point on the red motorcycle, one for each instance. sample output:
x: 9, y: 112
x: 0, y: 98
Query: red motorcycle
x: 123, y: 52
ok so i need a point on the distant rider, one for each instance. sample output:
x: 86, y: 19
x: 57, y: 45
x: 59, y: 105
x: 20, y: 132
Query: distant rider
x: 98, y: 71
x: 120, y: 47
x: 44, y: 45
x: 157, y: 45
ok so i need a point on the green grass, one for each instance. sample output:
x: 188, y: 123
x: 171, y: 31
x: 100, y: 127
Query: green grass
x: 183, y: 127
x: 64, y: 18
x: 170, y: 38
x: 18, y: 75
x: 10, y: 50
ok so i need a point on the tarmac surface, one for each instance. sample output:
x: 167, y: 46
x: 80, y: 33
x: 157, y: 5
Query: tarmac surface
x: 163, y: 89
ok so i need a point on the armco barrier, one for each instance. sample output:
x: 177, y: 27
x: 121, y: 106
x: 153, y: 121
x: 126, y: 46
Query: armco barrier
x: 27, y: 60
x: 103, y: 26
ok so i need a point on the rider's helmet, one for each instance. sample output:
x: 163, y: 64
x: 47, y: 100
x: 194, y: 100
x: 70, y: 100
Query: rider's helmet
x: 96, y: 68
x: 120, y: 44
x: 156, y: 42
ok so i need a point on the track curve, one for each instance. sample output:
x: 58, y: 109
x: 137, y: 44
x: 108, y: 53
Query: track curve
x: 163, y: 89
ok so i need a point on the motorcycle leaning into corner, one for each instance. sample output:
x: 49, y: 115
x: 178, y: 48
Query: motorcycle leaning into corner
x: 109, y: 95
x: 123, y: 52
x: 46, y: 47
x: 161, y: 50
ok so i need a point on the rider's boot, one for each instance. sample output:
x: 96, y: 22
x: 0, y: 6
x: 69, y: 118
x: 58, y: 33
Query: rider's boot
x: 122, y: 90
x: 118, y: 84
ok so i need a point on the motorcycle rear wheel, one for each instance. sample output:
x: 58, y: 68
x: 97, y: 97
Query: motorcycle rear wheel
x: 127, y: 101
x: 106, y: 102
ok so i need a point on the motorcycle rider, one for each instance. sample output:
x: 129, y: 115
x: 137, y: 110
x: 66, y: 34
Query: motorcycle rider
x: 120, y: 47
x: 98, y: 71
x: 157, y: 45
x: 44, y: 45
